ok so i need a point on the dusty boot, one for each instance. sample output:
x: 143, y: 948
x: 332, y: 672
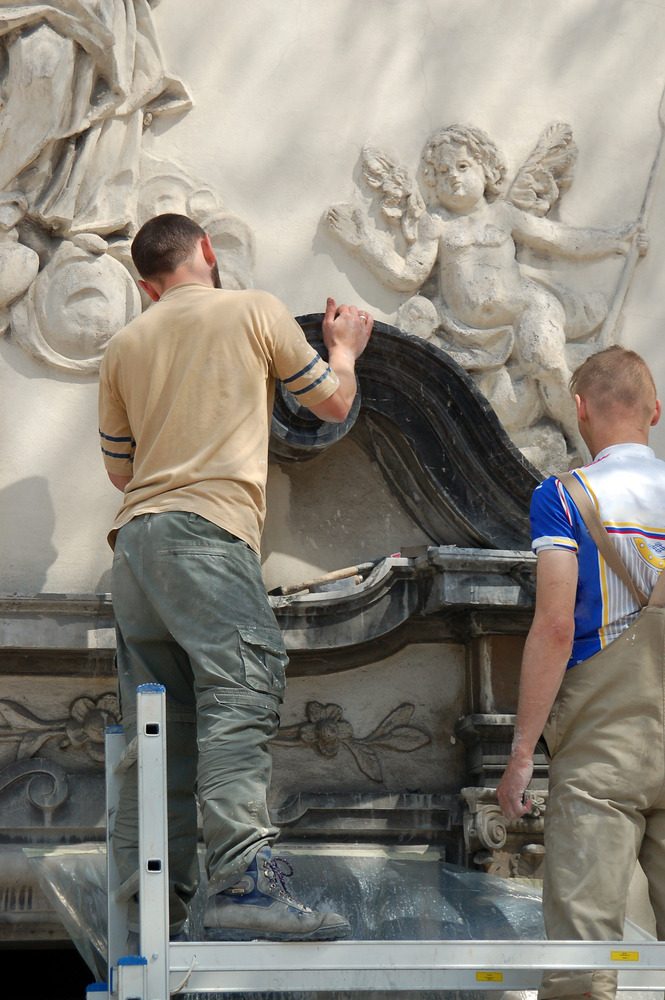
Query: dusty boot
x: 259, y: 905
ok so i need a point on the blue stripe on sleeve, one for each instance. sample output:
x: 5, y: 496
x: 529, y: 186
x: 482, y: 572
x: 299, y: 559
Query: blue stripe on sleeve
x: 117, y: 454
x: 299, y: 392
x: 303, y: 371
x: 108, y: 437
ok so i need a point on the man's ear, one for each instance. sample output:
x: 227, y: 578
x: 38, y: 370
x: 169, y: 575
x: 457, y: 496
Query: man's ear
x: 208, y: 252
x: 150, y: 290
x: 580, y: 403
x: 656, y: 414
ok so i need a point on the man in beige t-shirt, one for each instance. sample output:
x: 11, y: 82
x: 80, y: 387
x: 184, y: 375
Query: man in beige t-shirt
x: 185, y: 403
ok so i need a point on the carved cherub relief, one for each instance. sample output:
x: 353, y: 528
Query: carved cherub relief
x: 457, y: 237
x: 80, y: 83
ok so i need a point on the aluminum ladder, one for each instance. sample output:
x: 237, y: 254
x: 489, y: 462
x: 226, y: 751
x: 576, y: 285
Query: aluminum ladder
x: 163, y: 968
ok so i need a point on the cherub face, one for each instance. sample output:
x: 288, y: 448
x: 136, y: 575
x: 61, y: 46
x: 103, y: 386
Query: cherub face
x: 459, y: 180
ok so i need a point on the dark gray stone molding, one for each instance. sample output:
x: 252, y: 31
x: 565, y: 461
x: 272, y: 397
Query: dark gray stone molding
x: 441, y: 447
x: 444, y: 594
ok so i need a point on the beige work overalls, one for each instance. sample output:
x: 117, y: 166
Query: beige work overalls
x: 606, y: 806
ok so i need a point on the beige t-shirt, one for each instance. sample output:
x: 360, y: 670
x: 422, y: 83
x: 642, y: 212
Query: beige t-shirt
x: 186, y: 395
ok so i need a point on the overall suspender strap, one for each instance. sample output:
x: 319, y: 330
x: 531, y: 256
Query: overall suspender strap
x: 606, y: 546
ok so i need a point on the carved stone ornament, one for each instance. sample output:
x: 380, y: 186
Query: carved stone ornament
x: 325, y: 731
x: 46, y: 784
x: 476, y: 255
x: 82, y: 729
x: 510, y: 848
x: 73, y: 307
x: 79, y: 84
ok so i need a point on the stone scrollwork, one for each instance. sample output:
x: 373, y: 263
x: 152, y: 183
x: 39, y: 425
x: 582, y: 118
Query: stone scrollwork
x: 79, y: 85
x: 510, y: 848
x: 46, y: 784
x: 325, y: 730
x: 167, y: 188
x: 477, y: 258
x: 74, y: 306
x: 484, y: 827
x: 433, y: 434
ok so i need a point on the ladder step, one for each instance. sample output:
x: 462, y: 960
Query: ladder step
x: 127, y: 758
x: 128, y: 888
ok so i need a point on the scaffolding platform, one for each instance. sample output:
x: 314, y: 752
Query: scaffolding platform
x: 163, y: 968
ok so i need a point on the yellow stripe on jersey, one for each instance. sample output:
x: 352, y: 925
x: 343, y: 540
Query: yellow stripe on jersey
x: 602, y: 566
x: 587, y: 486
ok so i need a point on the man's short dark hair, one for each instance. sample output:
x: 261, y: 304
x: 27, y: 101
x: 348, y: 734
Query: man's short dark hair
x: 163, y: 243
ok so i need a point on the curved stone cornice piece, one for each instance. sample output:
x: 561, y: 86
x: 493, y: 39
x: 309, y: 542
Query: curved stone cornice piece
x: 444, y: 594
x: 437, y: 440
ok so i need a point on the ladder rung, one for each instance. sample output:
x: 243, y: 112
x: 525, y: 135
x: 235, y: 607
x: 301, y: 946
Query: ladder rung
x: 128, y: 757
x: 128, y: 888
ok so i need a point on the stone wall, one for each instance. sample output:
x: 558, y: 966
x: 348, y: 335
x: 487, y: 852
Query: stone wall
x: 257, y: 123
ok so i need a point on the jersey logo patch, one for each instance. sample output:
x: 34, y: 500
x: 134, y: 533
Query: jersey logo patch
x: 645, y: 552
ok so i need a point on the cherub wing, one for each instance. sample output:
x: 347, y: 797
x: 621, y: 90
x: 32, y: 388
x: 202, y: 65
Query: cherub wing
x: 547, y: 172
x: 397, y: 190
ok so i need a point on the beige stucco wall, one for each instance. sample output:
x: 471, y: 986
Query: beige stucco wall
x: 284, y: 97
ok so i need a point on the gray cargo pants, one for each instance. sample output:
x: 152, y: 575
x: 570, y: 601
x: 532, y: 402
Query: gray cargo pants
x: 193, y: 614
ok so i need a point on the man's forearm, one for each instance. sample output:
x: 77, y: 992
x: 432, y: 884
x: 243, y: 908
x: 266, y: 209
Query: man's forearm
x: 543, y: 668
x: 546, y: 654
x: 343, y: 363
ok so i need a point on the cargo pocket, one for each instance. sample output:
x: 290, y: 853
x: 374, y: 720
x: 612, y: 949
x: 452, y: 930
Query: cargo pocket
x: 264, y: 657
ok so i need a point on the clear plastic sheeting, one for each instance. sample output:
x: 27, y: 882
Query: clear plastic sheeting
x: 395, y: 894
x: 403, y: 895
x: 73, y: 879
x: 386, y: 894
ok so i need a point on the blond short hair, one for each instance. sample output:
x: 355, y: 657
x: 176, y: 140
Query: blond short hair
x: 616, y: 378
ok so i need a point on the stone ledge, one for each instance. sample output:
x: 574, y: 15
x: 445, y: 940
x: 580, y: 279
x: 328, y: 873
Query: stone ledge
x: 458, y: 592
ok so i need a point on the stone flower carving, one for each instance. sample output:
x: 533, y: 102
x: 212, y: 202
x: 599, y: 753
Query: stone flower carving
x: 88, y: 723
x: 476, y: 256
x: 326, y: 730
x: 82, y: 729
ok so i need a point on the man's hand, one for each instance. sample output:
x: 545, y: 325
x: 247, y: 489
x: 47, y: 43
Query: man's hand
x: 346, y: 330
x: 512, y: 787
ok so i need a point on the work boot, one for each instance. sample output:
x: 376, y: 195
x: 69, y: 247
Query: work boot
x: 259, y: 905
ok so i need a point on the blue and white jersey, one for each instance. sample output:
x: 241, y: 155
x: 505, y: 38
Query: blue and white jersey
x: 627, y: 484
